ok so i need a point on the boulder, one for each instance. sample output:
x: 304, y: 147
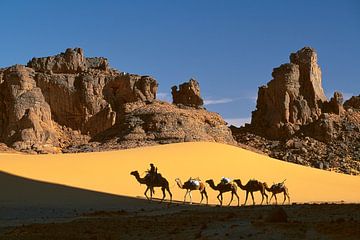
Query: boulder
x: 188, y: 94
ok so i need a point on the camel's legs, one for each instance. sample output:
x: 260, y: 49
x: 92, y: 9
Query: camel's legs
x: 275, y: 198
x: 288, y: 197
x: 207, y: 199
x: 187, y: 191
x: 190, y: 197
x: 284, y: 197
x: 151, y: 193
x: 252, y: 196
x: 163, y: 191
x: 145, y: 193
x: 232, y: 196
x: 247, y: 194
x: 202, y: 196
x: 237, y: 196
x: 267, y: 202
x: 168, y: 190
x: 220, y: 198
x: 263, y: 193
x: 271, y: 197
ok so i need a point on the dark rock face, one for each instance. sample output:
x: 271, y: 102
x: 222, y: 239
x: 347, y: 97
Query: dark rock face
x: 292, y: 99
x: 188, y: 94
x: 68, y: 99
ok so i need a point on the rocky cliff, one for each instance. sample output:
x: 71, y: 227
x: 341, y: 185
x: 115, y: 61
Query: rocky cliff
x: 68, y: 100
x: 294, y: 121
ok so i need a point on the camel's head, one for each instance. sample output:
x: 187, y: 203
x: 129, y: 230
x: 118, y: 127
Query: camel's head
x: 134, y: 173
x: 237, y: 181
x: 209, y: 181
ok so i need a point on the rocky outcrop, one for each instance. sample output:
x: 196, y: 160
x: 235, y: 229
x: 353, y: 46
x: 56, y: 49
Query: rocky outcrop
x: 126, y: 88
x: 63, y: 101
x: 294, y: 122
x: 188, y: 94
x: 335, y: 105
x: 25, y: 116
x: 330, y: 143
x: 72, y: 61
x: 292, y: 98
x: 160, y: 122
x: 353, y: 102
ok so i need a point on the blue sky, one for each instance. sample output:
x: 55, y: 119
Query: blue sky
x: 231, y: 47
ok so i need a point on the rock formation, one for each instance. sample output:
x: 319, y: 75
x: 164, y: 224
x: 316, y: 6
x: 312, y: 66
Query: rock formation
x: 25, y: 116
x: 294, y: 122
x: 293, y: 98
x: 188, y: 94
x: 161, y: 122
x: 65, y: 100
x: 353, y: 102
x: 335, y: 105
x: 72, y: 61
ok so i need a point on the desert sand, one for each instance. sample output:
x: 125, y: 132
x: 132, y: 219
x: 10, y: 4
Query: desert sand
x: 108, y: 172
x: 65, y: 187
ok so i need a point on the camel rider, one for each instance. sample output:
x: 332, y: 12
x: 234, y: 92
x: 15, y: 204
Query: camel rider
x: 152, y: 172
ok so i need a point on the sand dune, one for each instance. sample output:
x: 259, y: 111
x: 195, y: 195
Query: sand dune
x: 108, y: 172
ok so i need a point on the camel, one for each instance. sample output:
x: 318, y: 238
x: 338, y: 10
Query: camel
x: 251, y: 187
x: 278, y: 188
x: 191, y: 186
x: 159, y: 182
x: 222, y: 188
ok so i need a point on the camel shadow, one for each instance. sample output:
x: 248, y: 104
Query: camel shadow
x: 24, y: 201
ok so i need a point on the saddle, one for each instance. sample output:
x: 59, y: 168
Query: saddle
x: 225, y: 180
x: 154, y: 178
x: 194, y: 181
x: 279, y: 185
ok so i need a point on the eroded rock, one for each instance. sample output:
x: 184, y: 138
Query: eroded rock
x: 292, y: 98
x: 188, y: 94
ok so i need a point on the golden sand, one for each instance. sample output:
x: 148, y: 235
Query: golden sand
x: 110, y: 171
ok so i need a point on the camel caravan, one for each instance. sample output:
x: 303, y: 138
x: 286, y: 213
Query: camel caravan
x: 153, y: 179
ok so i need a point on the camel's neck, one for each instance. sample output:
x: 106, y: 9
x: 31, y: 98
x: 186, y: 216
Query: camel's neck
x: 240, y: 185
x: 267, y: 187
x: 212, y: 185
x: 139, y: 179
x: 179, y: 183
